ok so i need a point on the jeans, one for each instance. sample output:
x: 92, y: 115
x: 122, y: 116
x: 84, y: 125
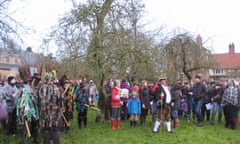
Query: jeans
x: 216, y: 107
x: 190, y: 106
x: 175, y: 114
x: 205, y: 112
x: 199, y: 104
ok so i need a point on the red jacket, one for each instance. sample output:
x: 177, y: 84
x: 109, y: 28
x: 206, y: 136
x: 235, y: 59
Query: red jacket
x: 115, y: 99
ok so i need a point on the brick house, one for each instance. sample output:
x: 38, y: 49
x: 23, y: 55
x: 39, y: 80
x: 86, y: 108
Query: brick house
x: 227, y: 65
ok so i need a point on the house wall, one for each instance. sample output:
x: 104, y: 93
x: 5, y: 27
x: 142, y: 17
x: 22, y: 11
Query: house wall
x: 9, y: 66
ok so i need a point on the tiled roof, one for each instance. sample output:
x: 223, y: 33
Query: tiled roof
x: 227, y: 60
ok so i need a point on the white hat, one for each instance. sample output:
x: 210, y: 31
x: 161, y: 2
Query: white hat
x: 91, y: 81
x: 162, y: 78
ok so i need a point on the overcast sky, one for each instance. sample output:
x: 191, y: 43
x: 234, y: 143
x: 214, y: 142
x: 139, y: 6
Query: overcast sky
x: 215, y: 20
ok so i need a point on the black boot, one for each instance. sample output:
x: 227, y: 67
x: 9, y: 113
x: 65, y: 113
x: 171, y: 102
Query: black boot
x: 144, y: 121
x: 131, y: 123
x: 85, y: 122
x: 141, y: 120
x: 134, y: 123
x: 79, y: 123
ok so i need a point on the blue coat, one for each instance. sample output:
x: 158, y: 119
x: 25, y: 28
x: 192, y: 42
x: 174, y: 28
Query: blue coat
x: 134, y: 106
x: 81, y: 100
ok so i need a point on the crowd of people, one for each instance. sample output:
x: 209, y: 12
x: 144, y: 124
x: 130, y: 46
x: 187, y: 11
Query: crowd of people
x: 34, y: 105
x: 196, y: 100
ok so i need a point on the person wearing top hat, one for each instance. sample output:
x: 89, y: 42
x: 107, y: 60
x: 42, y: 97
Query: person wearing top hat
x: 163, y: 97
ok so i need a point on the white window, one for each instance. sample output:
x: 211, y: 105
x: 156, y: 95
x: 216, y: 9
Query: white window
x: 218, y: 71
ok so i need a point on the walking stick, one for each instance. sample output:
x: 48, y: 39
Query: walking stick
x: 28, y: 130
x: 161, y: 113
x: 65, y: 120
x: 94, y: 108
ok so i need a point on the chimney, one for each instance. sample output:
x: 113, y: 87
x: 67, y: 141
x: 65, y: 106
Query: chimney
x: 199, y: 40
x: 231, y: 48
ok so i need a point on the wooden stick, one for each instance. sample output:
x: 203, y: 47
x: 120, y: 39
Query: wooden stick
x: 162, y: 127
x: 94, y: 108
x: 28, y: 130
x: 65, y: 120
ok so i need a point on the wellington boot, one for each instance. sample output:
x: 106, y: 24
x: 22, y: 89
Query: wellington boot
x: 118, y: 124
x: 236, y: 121
x: 112, y: 124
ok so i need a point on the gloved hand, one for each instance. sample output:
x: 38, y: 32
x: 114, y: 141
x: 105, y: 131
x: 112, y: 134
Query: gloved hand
x: 159, y: 102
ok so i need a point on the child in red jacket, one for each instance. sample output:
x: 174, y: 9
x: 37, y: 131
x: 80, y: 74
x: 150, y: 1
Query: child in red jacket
x: 115, y: 105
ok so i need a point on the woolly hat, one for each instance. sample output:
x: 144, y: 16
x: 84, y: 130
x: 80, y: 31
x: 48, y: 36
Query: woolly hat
x: 197, y: 77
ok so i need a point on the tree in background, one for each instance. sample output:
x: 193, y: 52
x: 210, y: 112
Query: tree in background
x: 185, y: 56
x: 9, y: 27
x: 105, y: 39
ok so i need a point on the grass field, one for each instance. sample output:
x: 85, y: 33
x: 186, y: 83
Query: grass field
x: 101, y: 133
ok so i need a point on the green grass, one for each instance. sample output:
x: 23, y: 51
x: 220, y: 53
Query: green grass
x: 101, y: 133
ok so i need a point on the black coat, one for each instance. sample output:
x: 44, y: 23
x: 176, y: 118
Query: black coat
x: 157, y: 94
x: 199, y: 91
x: 145, y: 97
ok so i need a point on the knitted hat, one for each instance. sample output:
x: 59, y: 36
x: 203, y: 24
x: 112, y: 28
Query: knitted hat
x: 197, y: 77
x: 134, y: 93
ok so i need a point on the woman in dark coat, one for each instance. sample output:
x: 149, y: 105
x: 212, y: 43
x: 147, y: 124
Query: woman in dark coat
x: 145, y: 101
